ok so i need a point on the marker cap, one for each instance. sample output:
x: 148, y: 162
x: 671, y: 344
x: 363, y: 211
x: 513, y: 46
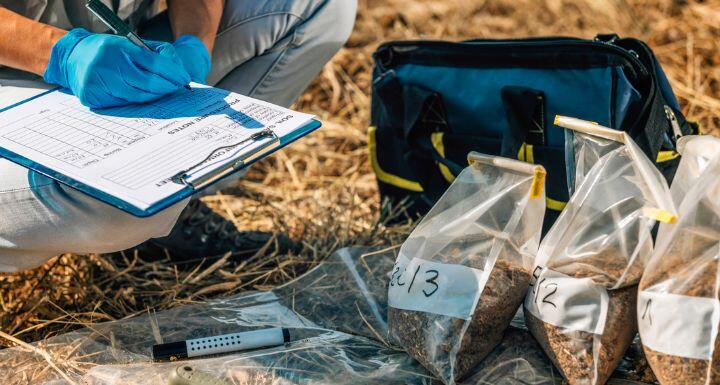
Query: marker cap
x: 171, y: 351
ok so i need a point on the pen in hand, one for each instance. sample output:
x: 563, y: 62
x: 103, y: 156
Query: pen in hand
x: 119, y: 27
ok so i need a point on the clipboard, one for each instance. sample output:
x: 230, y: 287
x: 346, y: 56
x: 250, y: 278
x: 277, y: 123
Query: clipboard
x: 193, y: 179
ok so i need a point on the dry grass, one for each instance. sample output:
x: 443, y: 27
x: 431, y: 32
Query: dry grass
x: 321, y: 190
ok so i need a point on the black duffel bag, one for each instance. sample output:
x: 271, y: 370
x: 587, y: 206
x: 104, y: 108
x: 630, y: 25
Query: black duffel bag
x: 434, y: 101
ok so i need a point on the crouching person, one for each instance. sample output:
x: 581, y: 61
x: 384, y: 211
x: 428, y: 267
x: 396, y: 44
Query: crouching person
x: 266, y: 49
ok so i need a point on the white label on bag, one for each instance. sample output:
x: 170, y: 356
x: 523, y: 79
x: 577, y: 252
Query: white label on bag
x: 432, y: 287
x: 678, y: 325
x: 567, y: 302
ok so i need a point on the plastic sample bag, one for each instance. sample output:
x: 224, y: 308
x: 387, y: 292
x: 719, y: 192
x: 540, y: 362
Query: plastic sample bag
x: 463, y: 272
x: 582, y: 303
x: 678, y: 307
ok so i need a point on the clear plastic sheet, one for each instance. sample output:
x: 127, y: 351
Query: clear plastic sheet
x: 464, y: 270
x: 335, y: 311
x: 678, y: 303
x: 330, y: 357
x: 582, y: 304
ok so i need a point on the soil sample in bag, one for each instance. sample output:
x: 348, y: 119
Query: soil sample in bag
x: 582, y: 302
x: 463, y: 272
x: 678, y: 304
x: 432, y: 339
x: 697, y: 361
x: 584, y: 357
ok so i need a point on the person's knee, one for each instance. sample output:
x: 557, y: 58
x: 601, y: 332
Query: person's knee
x: 338, y: 19
x: 107, y: 229
x: 272, y: 49
x: 119, y: 231
x: 29, y: 244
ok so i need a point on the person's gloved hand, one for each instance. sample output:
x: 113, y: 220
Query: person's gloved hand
x: 107, y: 70
x: 195, y: 57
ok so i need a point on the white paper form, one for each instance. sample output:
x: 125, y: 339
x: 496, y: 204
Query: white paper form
x: 131, y: 152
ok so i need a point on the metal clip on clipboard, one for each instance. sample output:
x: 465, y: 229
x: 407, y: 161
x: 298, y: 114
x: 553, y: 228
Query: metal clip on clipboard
x: 255, y: 146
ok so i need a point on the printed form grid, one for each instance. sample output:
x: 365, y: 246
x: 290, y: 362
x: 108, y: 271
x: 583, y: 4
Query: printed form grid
x: 80, y: 137
x: 77, y: 137
x: 176, y: 155
x: 69, y: 139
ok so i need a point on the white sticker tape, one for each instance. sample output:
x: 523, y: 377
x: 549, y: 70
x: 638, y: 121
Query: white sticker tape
x: 439, y: 288
x: 678, y: 325
x: 567, y: 302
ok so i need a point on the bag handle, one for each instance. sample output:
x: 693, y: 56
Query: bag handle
x: 420, y: 113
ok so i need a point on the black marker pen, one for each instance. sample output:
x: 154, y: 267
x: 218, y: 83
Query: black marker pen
x: 224, y: 343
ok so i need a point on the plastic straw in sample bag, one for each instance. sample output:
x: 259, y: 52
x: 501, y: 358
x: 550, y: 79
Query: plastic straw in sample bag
x: 678, y: 308
x: 581, y: 306
x: 463, y: 272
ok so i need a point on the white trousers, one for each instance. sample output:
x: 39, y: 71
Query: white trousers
x: 267, y: 49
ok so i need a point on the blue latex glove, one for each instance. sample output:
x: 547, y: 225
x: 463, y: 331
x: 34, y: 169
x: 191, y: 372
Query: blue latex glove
x: 194, y: 56
x: 107, y: 70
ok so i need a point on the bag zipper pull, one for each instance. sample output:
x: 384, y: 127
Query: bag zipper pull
x: 673, y: 122
x: 607, y: 38
x: 611, y: 41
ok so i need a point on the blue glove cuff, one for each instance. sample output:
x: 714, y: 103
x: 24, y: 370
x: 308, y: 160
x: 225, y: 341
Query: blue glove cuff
x: 55, y: 71
x: 200, y: 62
